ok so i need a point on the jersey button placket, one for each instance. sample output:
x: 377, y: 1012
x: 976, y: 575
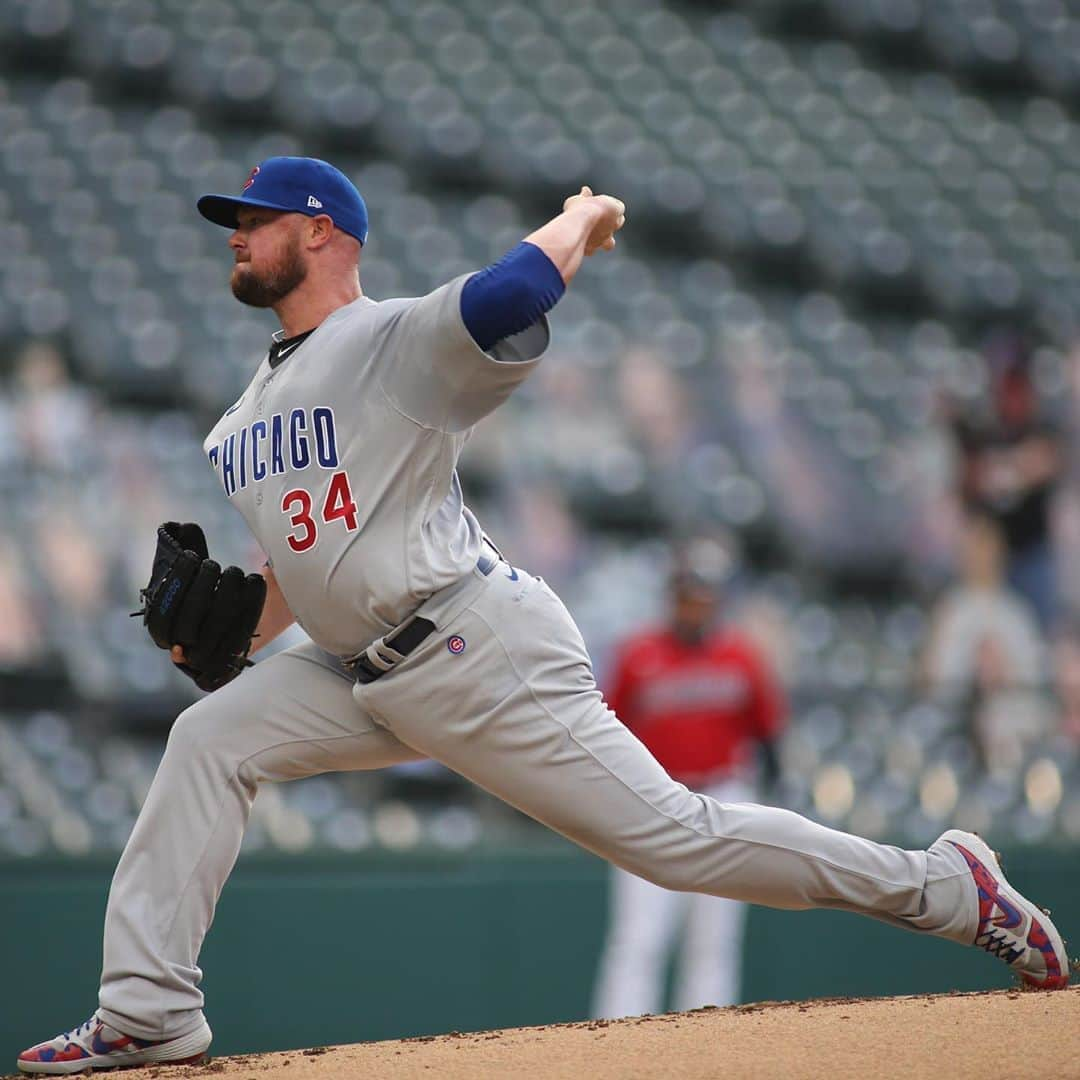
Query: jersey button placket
x: 260, y: 396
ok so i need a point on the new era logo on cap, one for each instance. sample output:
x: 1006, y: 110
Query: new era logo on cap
x: 295, y: 185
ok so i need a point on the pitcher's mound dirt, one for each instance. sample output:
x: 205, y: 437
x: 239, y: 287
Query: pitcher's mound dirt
x: 1005, y: 1034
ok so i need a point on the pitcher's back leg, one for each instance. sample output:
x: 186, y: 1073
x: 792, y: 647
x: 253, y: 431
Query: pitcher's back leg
x: 518, y: 712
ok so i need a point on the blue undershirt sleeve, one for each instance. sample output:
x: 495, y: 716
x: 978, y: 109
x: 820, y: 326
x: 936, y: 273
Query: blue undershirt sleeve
x: 510, y: 295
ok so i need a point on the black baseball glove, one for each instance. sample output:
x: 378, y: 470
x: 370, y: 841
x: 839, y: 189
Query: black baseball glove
x: 190, y: 601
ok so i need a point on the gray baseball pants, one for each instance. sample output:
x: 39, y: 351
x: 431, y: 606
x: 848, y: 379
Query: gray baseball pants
x: 518, y: 713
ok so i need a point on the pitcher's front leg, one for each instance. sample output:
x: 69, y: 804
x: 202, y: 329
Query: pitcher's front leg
x: 290, y: 716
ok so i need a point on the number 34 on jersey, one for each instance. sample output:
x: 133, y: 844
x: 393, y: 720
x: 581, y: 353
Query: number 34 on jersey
x: 337, y: 506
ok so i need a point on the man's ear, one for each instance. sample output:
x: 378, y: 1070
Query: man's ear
x: 320, y: 229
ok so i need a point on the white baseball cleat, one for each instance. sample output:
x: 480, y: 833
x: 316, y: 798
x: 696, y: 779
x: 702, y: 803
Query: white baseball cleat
x: 1010, y: 926
x: 95, y: 1045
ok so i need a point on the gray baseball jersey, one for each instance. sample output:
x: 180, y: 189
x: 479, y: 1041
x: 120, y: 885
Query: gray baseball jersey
x: 342, y: 457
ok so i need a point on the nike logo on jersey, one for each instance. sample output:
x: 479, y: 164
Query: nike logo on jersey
x: 287, y: 350
x: 282, y: 348
x: 232, y: 408
x: 513, y: 575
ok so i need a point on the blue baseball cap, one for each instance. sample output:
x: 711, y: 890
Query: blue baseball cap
x: 297, y: 185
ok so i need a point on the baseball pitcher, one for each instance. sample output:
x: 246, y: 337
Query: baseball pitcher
x: 425, y: 642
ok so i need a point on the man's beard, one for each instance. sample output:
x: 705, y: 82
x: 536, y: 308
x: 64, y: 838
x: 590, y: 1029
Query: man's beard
x: 266, y: 290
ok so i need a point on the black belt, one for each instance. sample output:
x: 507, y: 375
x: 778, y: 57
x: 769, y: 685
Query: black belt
x: 405, y: 640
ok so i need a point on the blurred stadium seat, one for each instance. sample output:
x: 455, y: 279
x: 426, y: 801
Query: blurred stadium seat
x: 830, y: 200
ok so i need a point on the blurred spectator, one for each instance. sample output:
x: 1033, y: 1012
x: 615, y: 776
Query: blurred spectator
x: 1010, y: 463
x: 654, y: 402
x: 1067, y: 679
x: 924, y: 464
x: 984, y: 647
x: 826, y: 514
x: 699, y: 698
x: 572, y: 421
x: 543, y: 533
x: 21, y: 642
x: 1006, y: 715
x: 73, y: 564
x: 1067, y: 508
x: 980, y: 617
x: 53, y: 414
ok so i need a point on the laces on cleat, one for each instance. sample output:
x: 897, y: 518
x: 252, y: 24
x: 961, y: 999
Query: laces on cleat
x: 82, y: 1029
x: 995, y: 943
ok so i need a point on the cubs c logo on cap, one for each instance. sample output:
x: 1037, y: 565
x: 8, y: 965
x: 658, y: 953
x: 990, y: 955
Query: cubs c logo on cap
x: 456, y: 644
x: 251, y: 178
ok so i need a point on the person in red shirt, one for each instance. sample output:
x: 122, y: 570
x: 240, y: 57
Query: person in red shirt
x: 703, y: 700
